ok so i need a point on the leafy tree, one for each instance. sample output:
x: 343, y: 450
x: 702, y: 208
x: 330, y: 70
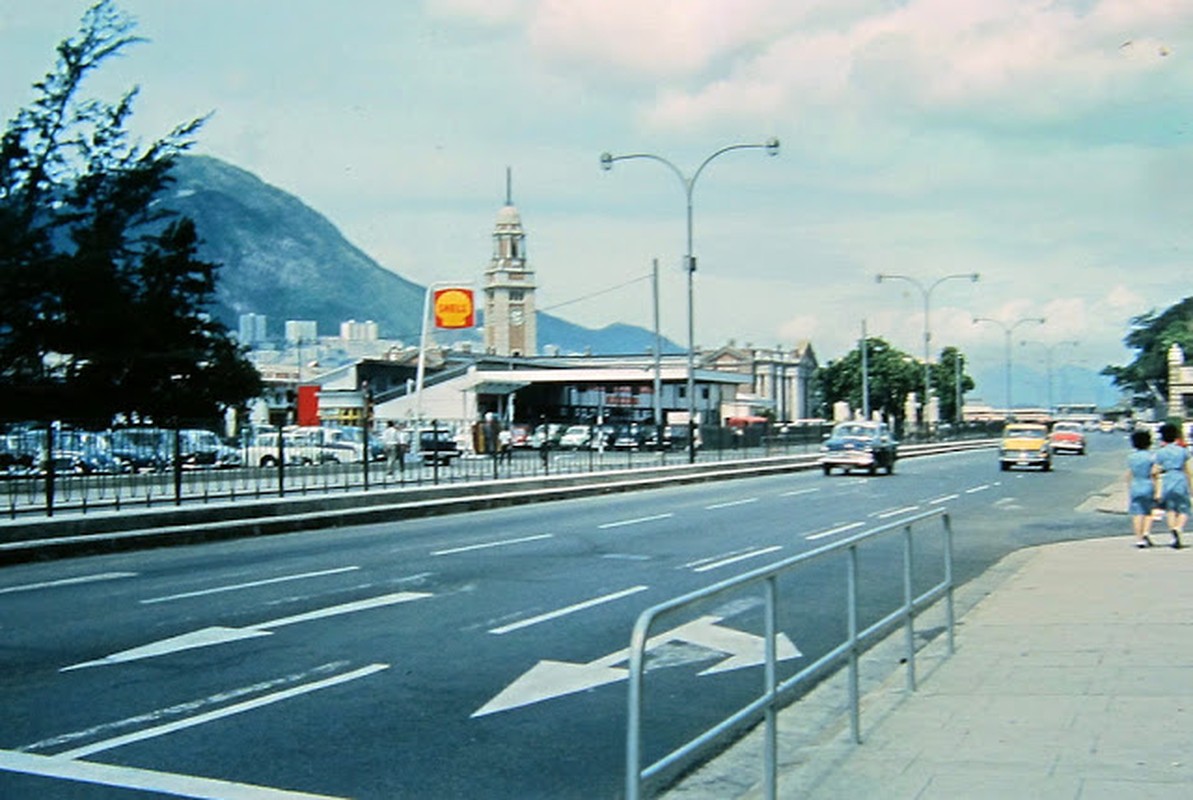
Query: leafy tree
x: 1151, y: 336
x: 104, y: 300
x: 944, y: 377
x: 893, y: 375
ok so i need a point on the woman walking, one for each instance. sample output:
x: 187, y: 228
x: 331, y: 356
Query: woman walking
x: 1141, y: 487
x: 1175, y: 475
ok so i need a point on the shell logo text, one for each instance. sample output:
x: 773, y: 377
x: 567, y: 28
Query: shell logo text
x: 454, y: 308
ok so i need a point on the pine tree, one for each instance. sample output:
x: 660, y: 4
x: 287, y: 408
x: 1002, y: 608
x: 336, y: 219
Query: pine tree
x: 104, y: 300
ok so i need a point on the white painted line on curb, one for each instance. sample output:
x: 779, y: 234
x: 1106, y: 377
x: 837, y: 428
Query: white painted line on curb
x: 487, y: 545
x: 734, y: 559
x: 563, y: 612
x: 634, y: 521
x: 103, y: 576
x: 834, y: 531
x: 248, y: 585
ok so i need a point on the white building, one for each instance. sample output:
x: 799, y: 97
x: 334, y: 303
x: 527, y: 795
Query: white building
x: 301, y: 330
x: 251, y: 330
x: 353, y: 331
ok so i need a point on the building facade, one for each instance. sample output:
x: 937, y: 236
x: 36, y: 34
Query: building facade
x: 510, y: 324
x: 781, y: 379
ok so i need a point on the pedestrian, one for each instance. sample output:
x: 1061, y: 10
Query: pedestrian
x: 504, y: 440
x: 392, y: 442
x: 1142, y: 487
x: 1175, y: 475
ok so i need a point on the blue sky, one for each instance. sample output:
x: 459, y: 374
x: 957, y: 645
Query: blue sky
x: 1045, y: 145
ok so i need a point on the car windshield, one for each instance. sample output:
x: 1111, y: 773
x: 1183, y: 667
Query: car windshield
x: 1072, y: 427
x: 1025, y: 433
x: 855, y: 430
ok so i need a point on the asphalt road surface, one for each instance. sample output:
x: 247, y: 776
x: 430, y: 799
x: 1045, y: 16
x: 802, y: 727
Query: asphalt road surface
x: 474, y: 655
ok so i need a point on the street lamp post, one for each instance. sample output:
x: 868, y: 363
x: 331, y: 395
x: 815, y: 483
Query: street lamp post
x: 1008, y: 330
x: 1048, y: 348
x: 689, y: 184
x: 926, y: 294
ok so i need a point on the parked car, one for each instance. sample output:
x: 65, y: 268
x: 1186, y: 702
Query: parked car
x: 519, y: 435
x: 548, y: 434
x: 576, y: 437
x: 260, y: 447
x: 200, y: 448
x: 438, y: 445
x: 142, y: 448
x: 1067, y: 437
x: 859, y: 445
x: 630, y: 437
x: 1024, y: 444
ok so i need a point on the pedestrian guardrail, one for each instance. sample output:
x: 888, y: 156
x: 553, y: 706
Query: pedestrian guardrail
x: 775, y: 693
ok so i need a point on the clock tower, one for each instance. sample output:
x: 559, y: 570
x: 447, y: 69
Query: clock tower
x: 510, y: 328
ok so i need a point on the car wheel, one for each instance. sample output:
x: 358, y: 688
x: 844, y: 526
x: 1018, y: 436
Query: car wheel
x: 1004, y: 466
x: 827, y: 469
x: 890, y: 468
x: 268, y: 461
x: 873, y: 470
x: 1046, y: 466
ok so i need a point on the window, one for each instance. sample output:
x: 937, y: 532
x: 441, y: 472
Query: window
x: 516, y: 295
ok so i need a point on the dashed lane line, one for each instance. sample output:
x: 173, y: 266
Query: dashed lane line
x: 563, y: 612
x: 488, y: 545
x: 248, y: 585
x: 636, y: 521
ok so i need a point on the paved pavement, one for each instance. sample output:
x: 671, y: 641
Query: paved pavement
x: 1072, y: 678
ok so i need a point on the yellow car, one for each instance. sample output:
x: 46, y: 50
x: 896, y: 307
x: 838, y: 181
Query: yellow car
x: 1025, y: 445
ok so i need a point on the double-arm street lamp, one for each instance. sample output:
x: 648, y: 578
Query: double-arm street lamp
x: 926, y: 294
x: 1009, y: 330
x: 1048, y: 348
x: 771, y: 146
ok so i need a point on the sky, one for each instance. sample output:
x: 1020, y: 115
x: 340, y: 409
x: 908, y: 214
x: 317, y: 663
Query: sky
x: 1042, y: 144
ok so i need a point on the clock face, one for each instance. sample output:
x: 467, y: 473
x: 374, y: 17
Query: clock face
x: 516, y: 316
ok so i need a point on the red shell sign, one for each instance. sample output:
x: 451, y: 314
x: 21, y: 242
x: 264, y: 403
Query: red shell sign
x: 454, y: 308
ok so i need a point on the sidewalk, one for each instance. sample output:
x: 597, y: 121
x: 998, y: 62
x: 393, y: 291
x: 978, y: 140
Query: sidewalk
x: 1072, y: 678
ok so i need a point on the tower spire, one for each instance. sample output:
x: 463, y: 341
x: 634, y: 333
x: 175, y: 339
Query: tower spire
x: 509, y: 187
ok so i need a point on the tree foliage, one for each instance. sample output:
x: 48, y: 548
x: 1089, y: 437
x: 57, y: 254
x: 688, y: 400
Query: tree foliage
x: 103, y: 307
x: 1151, y: 336
x: 893, y: 376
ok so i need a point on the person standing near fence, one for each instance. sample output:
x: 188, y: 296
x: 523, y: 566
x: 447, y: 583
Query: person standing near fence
x: 1142, y: 487
x: 391, y: 440
x: 1175, y: 475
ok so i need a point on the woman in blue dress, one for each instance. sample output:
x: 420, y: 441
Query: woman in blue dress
x: 1175, y: 474
x: 1141, y: 486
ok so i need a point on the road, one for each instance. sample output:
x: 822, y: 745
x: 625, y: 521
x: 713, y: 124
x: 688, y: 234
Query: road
x: 475, y: 655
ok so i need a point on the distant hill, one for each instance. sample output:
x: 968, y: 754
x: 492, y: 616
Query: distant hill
x: 283, y: 259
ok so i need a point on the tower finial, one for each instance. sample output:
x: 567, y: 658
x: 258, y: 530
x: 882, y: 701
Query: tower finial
x: 509, y: 187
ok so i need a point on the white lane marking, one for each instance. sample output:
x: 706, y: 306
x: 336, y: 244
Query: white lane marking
x: 486, y: 545
x: 634, y: 521
x: 219, y: 713
x: 166, y: 783
x: 563, y: 612
x: 103, y: 576
x: 975, y: 489
x: 795, y: 492
x: 549, y: 679
x: 214, y: 635
x: 248, y: 585
x: 734, y: 559
x: 731, y: 503
x: 894, y: 512
x: 834, y: 531
x: 187, y: 707
x: 944, y: 499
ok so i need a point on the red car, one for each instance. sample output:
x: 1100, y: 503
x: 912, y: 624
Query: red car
x: 1067, y: 437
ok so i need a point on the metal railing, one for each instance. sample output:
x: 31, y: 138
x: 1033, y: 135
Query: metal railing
x: 25, y: 494
x: 774, y: 693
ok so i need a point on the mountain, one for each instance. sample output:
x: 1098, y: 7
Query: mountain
x: 283, y: 259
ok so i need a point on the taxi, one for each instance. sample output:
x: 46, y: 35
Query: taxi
x: 1025, y: 444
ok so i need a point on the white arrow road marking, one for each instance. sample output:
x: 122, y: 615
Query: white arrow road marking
x: 206, y: 637
x: 550, y: 679
x: 165, y: 783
